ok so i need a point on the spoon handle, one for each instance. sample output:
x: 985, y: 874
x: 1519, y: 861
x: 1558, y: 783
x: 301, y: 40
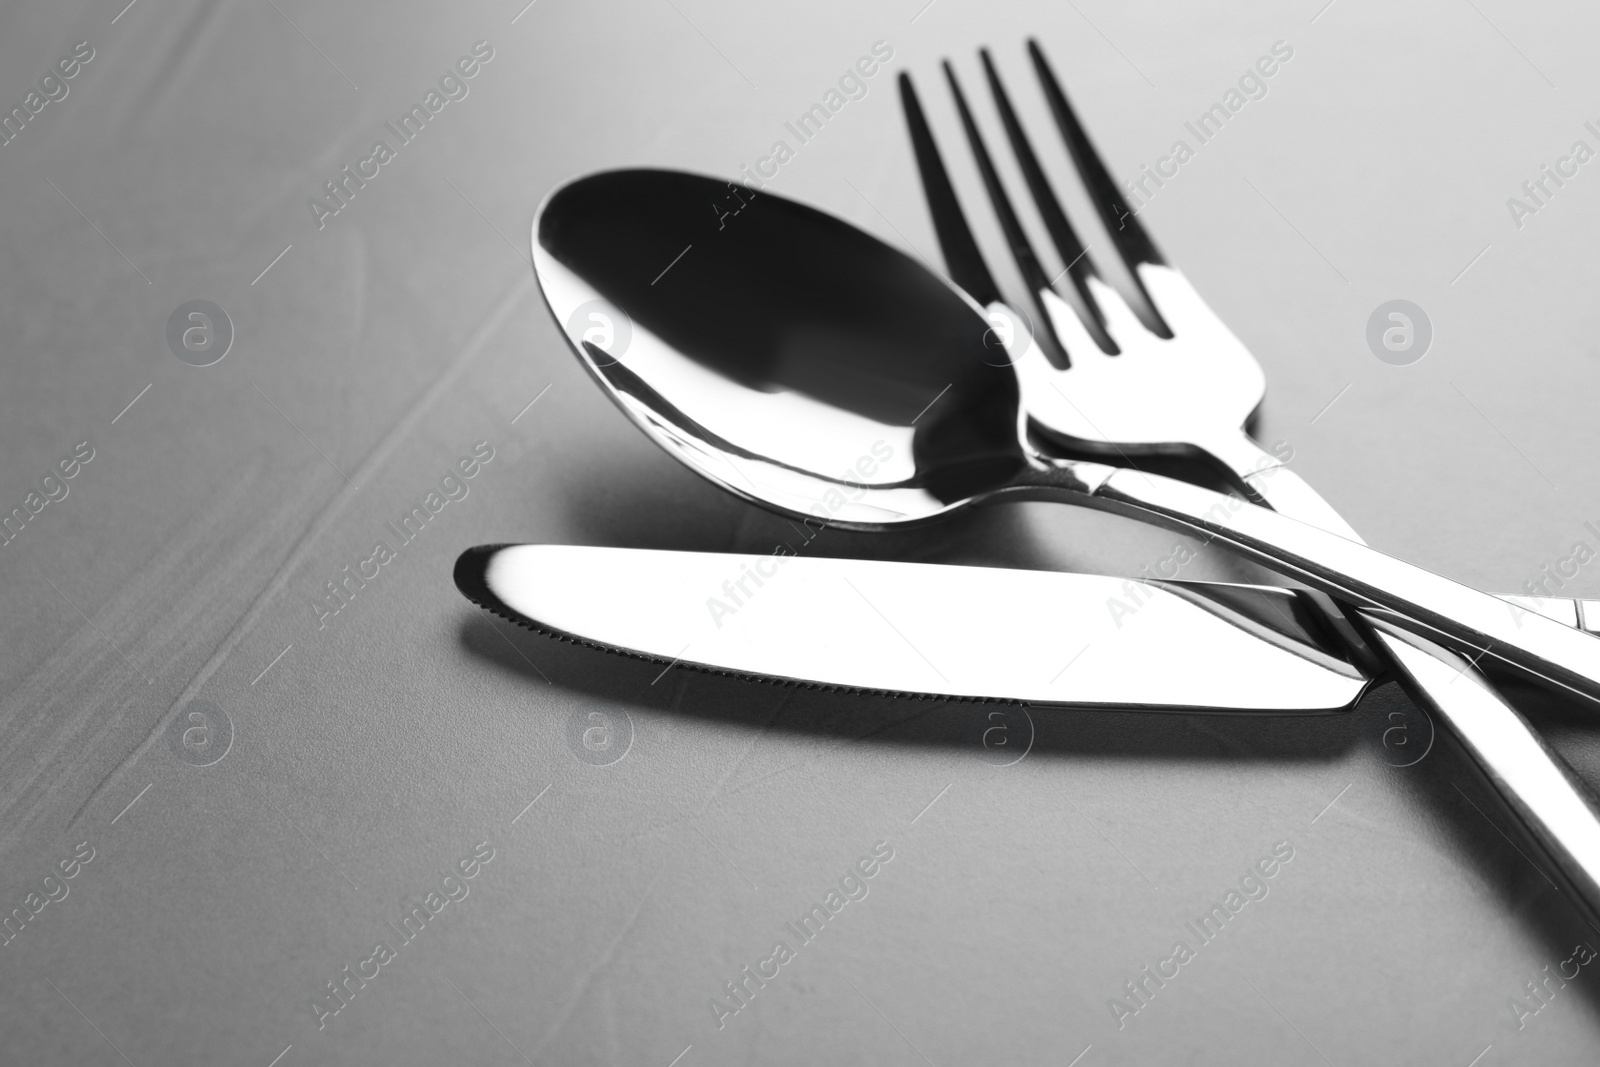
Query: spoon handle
x: 1388, y: 588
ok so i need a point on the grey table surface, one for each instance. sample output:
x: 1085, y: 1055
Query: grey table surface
x: 371, y: 752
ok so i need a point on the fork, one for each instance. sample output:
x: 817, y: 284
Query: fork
x: 1165, y: 376
x: 1131, y: 391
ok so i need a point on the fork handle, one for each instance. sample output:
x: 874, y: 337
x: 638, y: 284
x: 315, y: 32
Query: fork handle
x: 1532, y: 781
x: 1408, y: 595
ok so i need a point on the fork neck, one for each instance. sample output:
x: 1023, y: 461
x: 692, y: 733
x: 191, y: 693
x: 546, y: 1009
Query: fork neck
x: 1266, y: 479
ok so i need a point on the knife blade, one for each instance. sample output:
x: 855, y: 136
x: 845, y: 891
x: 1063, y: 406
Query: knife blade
x: 927, y: 630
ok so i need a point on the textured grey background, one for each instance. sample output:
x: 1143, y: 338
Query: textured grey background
x: 381, y: 749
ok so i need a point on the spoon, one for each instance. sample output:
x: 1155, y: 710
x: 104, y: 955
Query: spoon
x: 807, y: 366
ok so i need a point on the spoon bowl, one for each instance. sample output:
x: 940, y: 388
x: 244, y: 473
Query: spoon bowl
x: 781, y: 352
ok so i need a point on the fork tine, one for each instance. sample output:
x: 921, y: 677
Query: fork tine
x: 1073, y: 253
x: 961, y: 255
x: 1133, y: 244
x: 1033, y: 275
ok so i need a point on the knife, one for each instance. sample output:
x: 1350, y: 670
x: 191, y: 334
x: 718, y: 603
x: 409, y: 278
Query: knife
x: 929, y: 630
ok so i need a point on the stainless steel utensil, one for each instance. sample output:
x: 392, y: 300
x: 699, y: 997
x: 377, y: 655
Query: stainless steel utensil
x: 1181, y: 385
x: 807, y: 366
x: 1185, y: 384
x: 916, y: 629
x: 1533, y: 781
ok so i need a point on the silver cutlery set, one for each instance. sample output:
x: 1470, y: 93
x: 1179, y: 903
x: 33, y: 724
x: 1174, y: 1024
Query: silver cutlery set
x: 822, y: 374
